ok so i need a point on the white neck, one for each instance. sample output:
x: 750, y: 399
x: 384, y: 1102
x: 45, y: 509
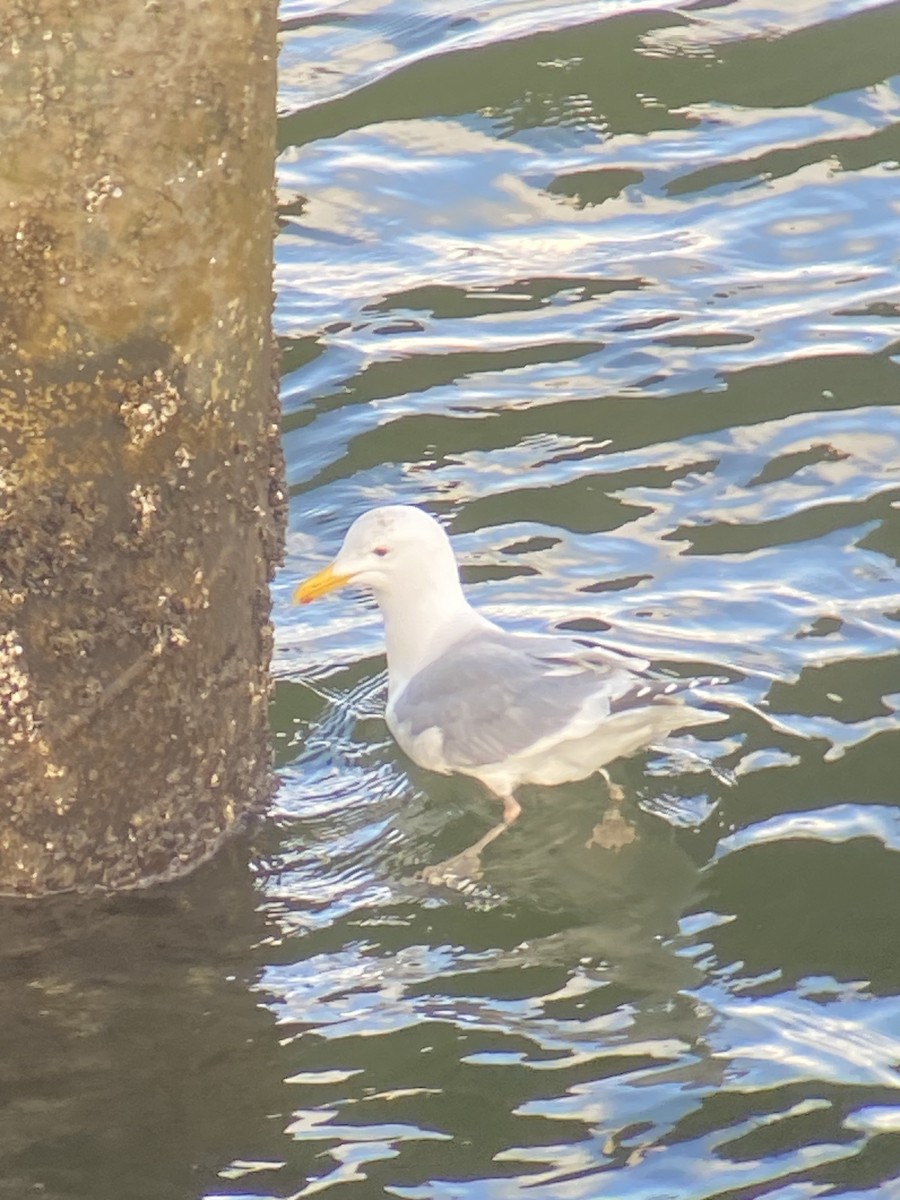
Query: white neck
x: 422, y: 617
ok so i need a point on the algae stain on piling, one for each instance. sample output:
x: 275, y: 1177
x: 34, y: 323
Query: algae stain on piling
x: 142, y: 503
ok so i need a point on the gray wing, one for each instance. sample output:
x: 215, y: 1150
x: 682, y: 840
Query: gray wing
x: 491, y: 695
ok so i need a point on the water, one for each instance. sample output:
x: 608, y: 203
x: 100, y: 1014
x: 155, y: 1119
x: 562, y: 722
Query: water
x: 615, y: 292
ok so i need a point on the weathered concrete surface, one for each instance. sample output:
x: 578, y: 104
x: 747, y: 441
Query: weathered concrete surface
x: 141, y: 501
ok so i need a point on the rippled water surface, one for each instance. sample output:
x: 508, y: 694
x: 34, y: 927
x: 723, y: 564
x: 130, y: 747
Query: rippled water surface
x: 613, y: 289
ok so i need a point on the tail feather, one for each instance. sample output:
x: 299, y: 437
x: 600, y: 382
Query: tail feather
x: 728, y: 702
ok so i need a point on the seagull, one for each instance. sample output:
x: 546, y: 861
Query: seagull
x: 466, y: 696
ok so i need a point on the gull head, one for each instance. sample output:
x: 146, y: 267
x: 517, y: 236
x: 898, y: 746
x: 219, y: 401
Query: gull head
x: 389, y: 550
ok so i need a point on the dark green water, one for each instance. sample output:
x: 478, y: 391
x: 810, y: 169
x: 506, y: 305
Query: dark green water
x: 616, y: 292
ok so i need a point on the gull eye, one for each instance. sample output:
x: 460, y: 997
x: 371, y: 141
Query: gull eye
x: 381, y: 551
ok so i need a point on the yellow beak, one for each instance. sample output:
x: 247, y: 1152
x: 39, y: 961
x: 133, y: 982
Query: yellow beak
x: 320, y: 584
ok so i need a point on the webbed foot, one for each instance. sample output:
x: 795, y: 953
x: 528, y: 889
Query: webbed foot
x: 612, y: 832
x: 454, y: 872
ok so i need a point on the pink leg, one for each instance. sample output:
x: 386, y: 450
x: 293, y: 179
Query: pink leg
x: 467, y: 864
